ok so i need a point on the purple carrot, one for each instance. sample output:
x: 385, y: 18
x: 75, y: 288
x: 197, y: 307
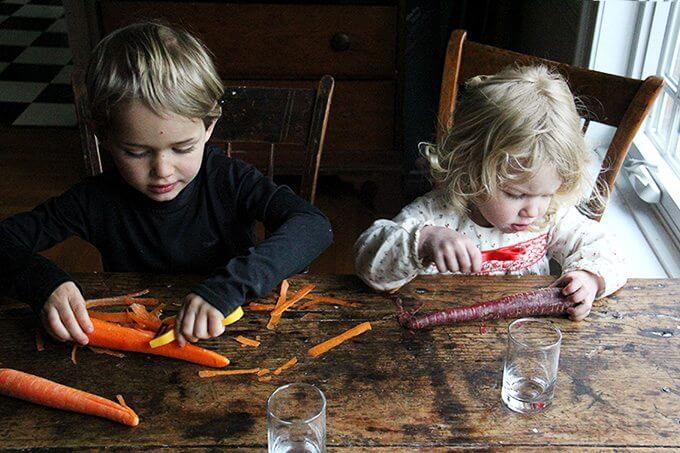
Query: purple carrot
x: 546, y: 301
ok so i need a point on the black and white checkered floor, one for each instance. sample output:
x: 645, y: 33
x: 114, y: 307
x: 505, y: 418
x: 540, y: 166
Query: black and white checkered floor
x: 35, y: 64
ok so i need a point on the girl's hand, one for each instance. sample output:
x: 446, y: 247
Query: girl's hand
x: 580, y: 287
x: 64, y: 315
x: 449, y: 250
x: 198, y: 320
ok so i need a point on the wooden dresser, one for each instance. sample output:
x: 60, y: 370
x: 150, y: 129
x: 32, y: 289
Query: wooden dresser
x: 358, y: 43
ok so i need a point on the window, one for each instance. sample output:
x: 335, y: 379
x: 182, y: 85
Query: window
x: 663, y: 126
x: 639, y: 39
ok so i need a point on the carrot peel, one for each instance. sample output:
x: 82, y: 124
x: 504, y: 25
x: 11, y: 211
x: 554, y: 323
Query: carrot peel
x: 35, y: 389
x: 285, y: 366
x: 247, y: 341
x: 335, y: 341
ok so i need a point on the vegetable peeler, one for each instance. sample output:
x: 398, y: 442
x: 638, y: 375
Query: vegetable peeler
x: 166, y: 333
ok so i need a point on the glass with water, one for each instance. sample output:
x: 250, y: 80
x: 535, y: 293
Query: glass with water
x: 531, y: 361
x: 296, y: 419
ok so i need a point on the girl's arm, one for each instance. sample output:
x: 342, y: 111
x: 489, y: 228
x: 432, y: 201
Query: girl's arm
x: 299, y: 232
x: 579, y: 243
x: 386, y: 254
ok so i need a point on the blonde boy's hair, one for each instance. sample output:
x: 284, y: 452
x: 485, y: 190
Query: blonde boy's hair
x: 167, y: 69
x: 505, y: 128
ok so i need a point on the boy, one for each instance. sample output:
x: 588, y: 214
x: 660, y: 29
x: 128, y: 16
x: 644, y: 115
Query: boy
x: 171, y: 205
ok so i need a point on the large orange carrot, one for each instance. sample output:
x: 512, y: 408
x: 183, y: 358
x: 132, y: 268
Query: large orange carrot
x: 333, y: 342
x: 112, y: 336
x: 49, y: 393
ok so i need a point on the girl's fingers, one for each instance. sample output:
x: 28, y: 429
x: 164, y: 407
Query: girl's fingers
x: 69, y: 321
x: 475, y: 258
x: 572, y: 287
x: 463, y: 258
x: 440, y: 263
x: 580, y: 312
x: 181, y: 341
x: 452, y: 264
x: 579, y: 295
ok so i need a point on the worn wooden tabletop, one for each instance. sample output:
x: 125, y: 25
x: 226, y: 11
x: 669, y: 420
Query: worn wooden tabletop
x: 388, y: 390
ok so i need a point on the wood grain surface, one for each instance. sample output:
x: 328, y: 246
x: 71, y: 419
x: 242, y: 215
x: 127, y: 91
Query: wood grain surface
x: 388, y: 389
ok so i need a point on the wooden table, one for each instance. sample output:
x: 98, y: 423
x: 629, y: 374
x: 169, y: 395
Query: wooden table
x: 388, y: 390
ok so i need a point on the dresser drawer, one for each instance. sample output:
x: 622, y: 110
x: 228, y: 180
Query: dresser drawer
x: 279, y: 41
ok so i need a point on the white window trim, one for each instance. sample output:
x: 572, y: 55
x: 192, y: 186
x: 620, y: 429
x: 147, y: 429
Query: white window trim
x: 659, y: 222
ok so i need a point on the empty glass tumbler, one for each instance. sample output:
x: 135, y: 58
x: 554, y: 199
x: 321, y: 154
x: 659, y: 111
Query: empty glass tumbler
x: 296, y: 419
x: 531, y: 360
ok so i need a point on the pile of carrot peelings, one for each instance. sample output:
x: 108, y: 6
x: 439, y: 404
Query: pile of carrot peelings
x: 284, y: 304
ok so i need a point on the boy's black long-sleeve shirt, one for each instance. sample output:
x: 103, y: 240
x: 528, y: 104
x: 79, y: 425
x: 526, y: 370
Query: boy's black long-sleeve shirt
x: 207, y: 229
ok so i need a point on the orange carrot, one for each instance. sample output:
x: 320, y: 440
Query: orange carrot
x: 113, y: 336
x: 335, y: 341
x: 254, y: 306
x: 49, y: 393
x: 285, y: 366
x: 213, y: 373
x: 247, y: 341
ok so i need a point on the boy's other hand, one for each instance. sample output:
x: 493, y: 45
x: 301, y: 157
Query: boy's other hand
x: 580, y: 288
x: 198, y: 320
x: 64, y: 315
x: 449, y: 250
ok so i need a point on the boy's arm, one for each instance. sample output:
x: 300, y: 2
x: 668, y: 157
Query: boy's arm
x: 299, y: 233
x: 579, y: 243
x: 24, y: 273
x: 386, y: 254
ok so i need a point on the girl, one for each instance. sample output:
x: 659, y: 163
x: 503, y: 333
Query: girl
x: 510, y: 172
x: 171, y: 204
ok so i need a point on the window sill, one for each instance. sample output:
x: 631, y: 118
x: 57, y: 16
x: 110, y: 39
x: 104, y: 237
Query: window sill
x: 657, y: 222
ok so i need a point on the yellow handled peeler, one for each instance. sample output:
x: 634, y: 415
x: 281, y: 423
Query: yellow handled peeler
x: 166, y: 334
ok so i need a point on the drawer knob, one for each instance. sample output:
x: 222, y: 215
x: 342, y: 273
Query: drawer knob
x: 340, y: 42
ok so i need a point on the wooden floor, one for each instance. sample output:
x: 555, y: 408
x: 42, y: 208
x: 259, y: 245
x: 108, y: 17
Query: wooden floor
x: 37, y: 163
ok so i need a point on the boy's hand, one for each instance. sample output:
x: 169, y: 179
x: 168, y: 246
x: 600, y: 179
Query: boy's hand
x: 198, y: 320
x: 64, y: 315
x: 449, y: 250
x: 580, y: 287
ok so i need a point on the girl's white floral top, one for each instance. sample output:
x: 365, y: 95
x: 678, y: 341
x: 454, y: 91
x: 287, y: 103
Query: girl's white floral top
x: 386, y: 254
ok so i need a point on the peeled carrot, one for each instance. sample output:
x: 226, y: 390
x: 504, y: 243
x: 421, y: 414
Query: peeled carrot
x: 247, y: 341
x: 546, y: 301
x: 285, y: 366
x: 38, y: 390
x: 326, y: 300
x: 335, y: 341
x: 213, y: 373
x: 112, y: 336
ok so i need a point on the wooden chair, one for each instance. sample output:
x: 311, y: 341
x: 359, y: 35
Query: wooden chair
x: 290, y: 120
x: 618, y: 101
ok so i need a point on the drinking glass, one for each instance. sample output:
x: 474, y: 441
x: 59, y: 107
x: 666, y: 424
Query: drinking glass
x: 296, y: 419
x: 530, y: 369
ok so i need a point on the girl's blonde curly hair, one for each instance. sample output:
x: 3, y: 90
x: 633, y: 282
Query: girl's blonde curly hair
x: 506, y: 128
